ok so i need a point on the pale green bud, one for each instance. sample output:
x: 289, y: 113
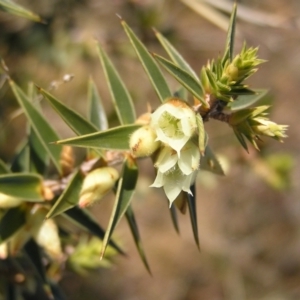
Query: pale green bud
x: 47, y: 237
x: 7, y: 201
x: 143, y: 142
x: 96, y: 184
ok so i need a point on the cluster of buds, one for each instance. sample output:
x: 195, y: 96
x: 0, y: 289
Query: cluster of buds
x: 169, y: 136
x: 253, y: 123
x: 221, y: 79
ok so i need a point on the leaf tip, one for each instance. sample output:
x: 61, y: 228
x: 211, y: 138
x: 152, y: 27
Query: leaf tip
x: 121, y: 19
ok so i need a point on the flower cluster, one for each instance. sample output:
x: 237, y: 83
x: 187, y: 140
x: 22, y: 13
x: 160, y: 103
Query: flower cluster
x: 253, y: 123
x: 177, y: 158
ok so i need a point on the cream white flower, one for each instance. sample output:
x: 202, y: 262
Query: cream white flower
x: 174, y: 123
x: 188, y: 161
x: 176, y: 173
x: 173, y: 182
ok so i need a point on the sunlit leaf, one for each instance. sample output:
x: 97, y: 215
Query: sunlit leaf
x: 191, y: 200
x: 114, y: 138
x: 245, y: 101
x: 23, y: 186
x: 40, y: 125
x: 70, y: 196
x: 209, y: 162
x: 175, y: 55
x: 120, y: 96
x: 18, y: 10
x: 201, y: 134
x: 85, y: 220
x: 230, y: 36
x: 187, y: 80
x: 12, y: 220
x: 126, y: 188
x: 96, y: 112
x: 157, y: 79
x: 136, y: 236
x: 74, y: 120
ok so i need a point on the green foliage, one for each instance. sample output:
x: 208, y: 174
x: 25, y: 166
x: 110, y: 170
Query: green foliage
x: 32, y: 191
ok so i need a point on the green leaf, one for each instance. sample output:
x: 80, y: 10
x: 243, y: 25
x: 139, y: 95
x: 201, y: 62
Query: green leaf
x: 23, y: 186
x: 3, y: 167
x: 39, y: 158
x: 241, y: 139
x: 230, y: 37
x: 245, y: 101
x: 121, y: 98
x: 19, y: 10
x: 126, y: 188
x: 136, y: 236
x: 85, y: 220
x: 21, y: 160
x: 40, y: 125
x: 74, y: 120
x: 174, y: 217
x: 187, y: 80
x: 175, y: 55
x: 201, y: 134
x: 114, y: 138
x: 34, y: 255
x: 96, y: 112
x: 12, y: 220
x: 70, y: 196
x: 156, y: 78
x: 209, y: 162
x: 191, y: 200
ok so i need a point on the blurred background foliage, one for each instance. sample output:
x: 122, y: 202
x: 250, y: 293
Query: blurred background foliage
x: 249, y: 220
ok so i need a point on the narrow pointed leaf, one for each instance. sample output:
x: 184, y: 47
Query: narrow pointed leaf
x: 187, y: 80
x: 230, y: 36
x: 74, y: 120
x: 115, y: 138
x: 40, y: 125
x: 18, y: 10
x: 201, y: 134
x: 156, y: 78
x: 191, y: 199
x: 39, y: 158
x: 136, y: 236
x: 70, y: 196
x: 85, y: 220
x: 24, y: 186
x: 245, y: 101
x: 11, y: 221
x: 209, y: 162
x: 174, y: 218
x: 34, y: 254
x: 3, y: 167
x: 241, y: 139
x: 175, y: 55
x: 126, y: 188
x: 21, y: 161
x: 96, y: 112
x: 118, y: 91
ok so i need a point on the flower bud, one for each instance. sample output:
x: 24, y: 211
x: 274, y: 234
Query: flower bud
x: 96, y: 184
x: 7, y: 201
x: 48, y: 238
x: 143, y: 142
x: 174, y: 123
x: 34, y: 220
